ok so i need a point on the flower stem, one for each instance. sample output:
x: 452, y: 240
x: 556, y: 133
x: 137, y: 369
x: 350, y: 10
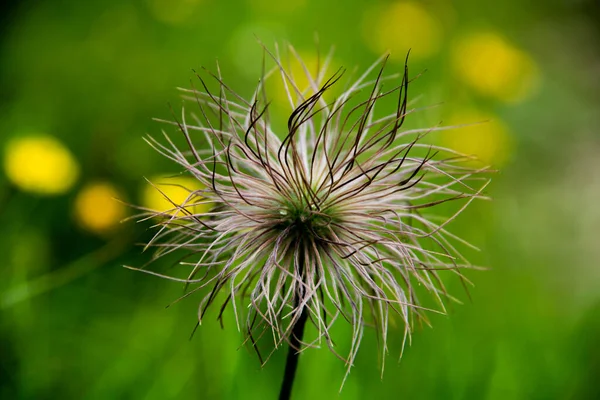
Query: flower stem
x: 291, y: 362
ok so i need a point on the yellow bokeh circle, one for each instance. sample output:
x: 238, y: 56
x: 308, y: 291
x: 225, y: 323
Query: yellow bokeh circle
x: 401, y: 26
x: 305, y: 76
x: 494, y: 67
x: 166, y: 194
x: 277, y: 7
x: 174, y: 11
x: 483, y: 135
x: 97, y: 207
x: 40, y: 164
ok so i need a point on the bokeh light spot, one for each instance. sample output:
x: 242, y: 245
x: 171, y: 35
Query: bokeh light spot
x: 277, y: 7
x: 313, y: 65
x: 486, y: 137
x: 98, y: 209
x: 173, y: 11
x: 177, y: 190
x: 402, y: 26
x: 493, y: 67
x: 245, y: 50
x: 40, y: 164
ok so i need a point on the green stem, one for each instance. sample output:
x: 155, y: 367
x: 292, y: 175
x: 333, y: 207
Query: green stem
x: 291, y: 362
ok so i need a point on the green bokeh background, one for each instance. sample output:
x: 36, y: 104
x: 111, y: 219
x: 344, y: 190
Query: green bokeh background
x: 74, y: 324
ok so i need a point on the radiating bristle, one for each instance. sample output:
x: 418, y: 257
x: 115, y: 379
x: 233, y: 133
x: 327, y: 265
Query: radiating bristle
x: 324, y: 219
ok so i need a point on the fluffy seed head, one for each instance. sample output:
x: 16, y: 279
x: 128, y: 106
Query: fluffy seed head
x: 326, y: 218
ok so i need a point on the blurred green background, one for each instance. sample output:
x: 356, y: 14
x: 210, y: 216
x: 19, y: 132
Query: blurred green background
x: 80, y: 82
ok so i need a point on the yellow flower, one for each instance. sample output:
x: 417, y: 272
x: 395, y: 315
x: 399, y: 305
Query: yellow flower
x: 402, y: 26
x: 277, y: 7
x: 488, y: 137
x: 40, y: 164
x: 97, y: 208
x: 298, y: 72
x: 174, y: 11
x: 164, y: 192
x: 494, y: 67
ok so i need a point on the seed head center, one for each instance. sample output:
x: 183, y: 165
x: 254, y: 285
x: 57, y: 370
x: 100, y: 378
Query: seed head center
x: 305, y: 220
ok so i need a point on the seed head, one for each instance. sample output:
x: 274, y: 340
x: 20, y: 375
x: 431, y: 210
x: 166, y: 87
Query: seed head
x: 325, y: 219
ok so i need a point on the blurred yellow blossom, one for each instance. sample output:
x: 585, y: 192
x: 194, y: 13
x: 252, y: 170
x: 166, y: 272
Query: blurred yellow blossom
x: 177, y: 190
x: 243, y: 49
x: 494, y: 67
x: 97, y: 207
x: 174, y: 11
x: 486, y: 137
x: 401, y: 26
x: 298, y: 72
x: 40, y: 164
x: 277, y: 7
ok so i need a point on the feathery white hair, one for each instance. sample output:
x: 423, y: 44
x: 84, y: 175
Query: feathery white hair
x: 321, y: 222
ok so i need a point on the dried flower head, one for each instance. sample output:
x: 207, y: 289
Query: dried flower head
x: 322, y: 222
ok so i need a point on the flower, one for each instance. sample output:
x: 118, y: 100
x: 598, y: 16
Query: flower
x: 402, y: 25
x: 161, y: 192
x: 491, y: 142
x: 97, y: 209
x: 494, y: 67
x: 40, y: 164
x: 325, y: 222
